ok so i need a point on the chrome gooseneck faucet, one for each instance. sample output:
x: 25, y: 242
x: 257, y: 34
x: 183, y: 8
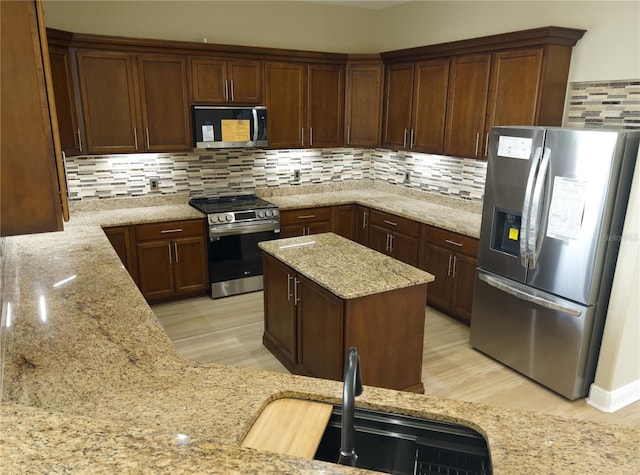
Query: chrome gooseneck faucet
x: 352, y: 388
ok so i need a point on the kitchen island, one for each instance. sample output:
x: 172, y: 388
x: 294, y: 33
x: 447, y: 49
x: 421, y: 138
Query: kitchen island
x: 325, y: 294
x: 92, y: 384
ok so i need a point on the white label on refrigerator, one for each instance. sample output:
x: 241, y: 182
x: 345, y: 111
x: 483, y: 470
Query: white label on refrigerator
x: 207, y: 133
x: 567, y: 208
x: 515, y: 147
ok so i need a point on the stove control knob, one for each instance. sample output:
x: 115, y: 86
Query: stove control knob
x: 220, y: 218
x: 229, y: 218
x: 261, y: 214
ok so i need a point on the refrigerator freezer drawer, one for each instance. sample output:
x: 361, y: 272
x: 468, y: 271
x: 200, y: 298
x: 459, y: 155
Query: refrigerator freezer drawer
x: 540, y: 335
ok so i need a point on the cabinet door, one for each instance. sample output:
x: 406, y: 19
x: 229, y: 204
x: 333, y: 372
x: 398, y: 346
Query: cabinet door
x: 121, y: 239
x: 320, y: 331
x: 109, y: 102
x: 65, y: 102
x: 362, y: 225
x: 279, y: 310
x: 190, y: 265
x: 246, y: 81
x: 30, y: 193
x: 514, y: 92
x: 208, y: 80
x: 404, y: 248
x: 464, y: 272
x: 285, y: 89
x: 155, y: 269
x: 164, y: 103
x: 344, y: 220
x: 466, y: 105
x: 438, y: 262
x: 292, y: 230
x: 325, y: 102
x: 379, y: 239
x: 363, y: 105
x: 429, y: 105
x: 397, y: 105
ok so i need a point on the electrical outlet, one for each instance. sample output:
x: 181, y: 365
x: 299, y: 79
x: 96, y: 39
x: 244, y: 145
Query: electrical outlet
x: 407, y: 177
x: 154, y: 184
x: 296, y: 175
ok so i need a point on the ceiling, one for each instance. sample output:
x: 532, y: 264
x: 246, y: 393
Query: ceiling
x: 370, y: 4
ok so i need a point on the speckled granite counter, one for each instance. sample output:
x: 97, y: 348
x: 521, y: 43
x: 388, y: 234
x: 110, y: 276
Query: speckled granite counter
x: 92, y: 384
x: 344, y: 267
x: 453, y: 214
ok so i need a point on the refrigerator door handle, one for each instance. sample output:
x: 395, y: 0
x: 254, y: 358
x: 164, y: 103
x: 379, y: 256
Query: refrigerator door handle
x: 521, y: 294
x: 533, y: 238
x: 524, y: 226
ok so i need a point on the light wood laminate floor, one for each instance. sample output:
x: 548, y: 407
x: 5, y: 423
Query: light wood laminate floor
x: 229, y: 331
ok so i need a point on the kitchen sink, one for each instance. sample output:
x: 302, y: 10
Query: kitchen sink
x: 399, y: 444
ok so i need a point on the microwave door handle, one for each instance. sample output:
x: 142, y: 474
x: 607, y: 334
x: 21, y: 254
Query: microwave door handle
x: 533, y: 236
x: 255, y: 125
x: 524, y: 226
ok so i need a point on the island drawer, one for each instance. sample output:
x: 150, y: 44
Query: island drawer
x: 452, y: 241
x: 405, y: 226
x: 170, y: 229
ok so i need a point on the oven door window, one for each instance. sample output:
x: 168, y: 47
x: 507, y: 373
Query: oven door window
x: 238, y: 256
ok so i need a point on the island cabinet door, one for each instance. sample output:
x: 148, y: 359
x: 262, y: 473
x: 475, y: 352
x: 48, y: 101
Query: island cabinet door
x: 280, y: 335
x: 320, y: 331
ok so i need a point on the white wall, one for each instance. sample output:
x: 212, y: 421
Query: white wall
x: 609, y: 50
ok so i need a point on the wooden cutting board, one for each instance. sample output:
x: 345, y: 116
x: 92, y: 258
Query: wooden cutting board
x: 290, y: 426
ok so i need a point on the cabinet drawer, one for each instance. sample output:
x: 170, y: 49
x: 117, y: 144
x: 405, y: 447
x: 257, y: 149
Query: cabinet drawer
x: 392, y: 222
x: 453, y: 241
x: 305, y: 215
x: 168, y: 230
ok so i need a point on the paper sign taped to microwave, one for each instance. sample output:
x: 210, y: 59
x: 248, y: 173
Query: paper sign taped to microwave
x: 566, y: 211
x: 207, y: 133
x: 235, y: 130
x: 515, y: 147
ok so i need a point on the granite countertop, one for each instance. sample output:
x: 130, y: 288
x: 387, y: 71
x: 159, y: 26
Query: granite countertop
x: 92, y: 383
x: 345, y: 268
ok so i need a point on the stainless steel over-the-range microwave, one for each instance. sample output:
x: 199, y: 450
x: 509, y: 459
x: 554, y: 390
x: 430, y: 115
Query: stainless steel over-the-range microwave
x: 229, y: 127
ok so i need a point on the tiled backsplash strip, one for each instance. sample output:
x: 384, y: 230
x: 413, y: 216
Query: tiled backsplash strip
x: 236, y: 171
x: 604, y: 104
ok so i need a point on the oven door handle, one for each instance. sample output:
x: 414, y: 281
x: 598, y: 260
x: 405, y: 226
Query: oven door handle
x: 254, y: 228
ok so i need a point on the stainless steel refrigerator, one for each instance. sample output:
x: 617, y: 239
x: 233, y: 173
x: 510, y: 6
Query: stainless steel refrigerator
x: 554, y: 206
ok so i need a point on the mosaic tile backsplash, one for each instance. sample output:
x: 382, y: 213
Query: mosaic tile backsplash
x: 605, y: 104
x: 237, y: 171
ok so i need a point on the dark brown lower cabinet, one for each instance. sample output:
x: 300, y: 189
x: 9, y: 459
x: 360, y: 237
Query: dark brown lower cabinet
x: 343, y: 220
x: 310, y: 330
x: 122, y: 240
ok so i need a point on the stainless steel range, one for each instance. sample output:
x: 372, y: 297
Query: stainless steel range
x: 236, y: 225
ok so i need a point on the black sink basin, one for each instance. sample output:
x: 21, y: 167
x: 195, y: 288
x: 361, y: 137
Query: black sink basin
x: 407, y: 445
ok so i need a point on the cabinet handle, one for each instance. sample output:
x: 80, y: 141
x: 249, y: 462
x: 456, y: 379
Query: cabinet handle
x: 455, y: 260
x: 296, y: 299
x: 233, y: 98
x: 302, y: 136
x: 391, y: 223
x: 175, y: 251
x: 310, y: 136
x: 477, y: 142
x: 390, y: 243
x: 411, y: 140
x: 289, y: 287
x: 169, y: 246
x: 135, y: 137
x: 486, y: 144
x: 307, y: 216
x: 79, y: 140
x: 176, y: 230
x: 459, y: 244
x: 364, y: 220
x: 226, y: 90
x: 348, y: 135
x: 404, y: 140
x: 146, y: 131
x: 449, y: 269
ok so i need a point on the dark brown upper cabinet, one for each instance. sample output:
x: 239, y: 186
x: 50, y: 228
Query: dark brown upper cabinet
x: 222, y: 81
x: 363, y: 105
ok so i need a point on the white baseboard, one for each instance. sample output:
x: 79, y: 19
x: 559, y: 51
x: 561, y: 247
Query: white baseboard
x: 611, y: 401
